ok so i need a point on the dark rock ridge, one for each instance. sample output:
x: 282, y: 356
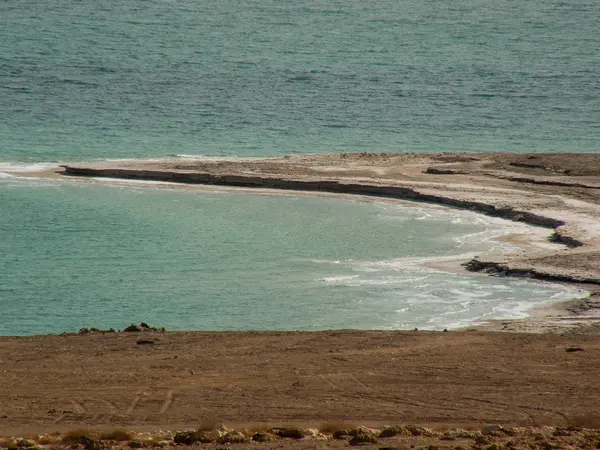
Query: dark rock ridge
x: 334, y: 186
x: 559, y: 238
x: 547, y: 182
x: 500, y: 269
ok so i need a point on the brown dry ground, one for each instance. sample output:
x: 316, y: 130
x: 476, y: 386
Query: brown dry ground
x: 281, y: 378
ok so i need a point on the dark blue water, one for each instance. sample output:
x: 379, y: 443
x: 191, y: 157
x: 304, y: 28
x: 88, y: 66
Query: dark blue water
x: 121, y: 79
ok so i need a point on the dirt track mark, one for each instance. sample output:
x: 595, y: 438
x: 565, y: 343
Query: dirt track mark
x: 167, y: 402
x: 140, y: 393
x: 78, y: 408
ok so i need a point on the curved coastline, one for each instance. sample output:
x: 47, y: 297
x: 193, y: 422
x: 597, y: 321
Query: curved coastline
x: 558, y: 193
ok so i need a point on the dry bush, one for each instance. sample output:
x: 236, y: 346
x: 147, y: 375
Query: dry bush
x: 7, y: 442
x: 119, y: 435
x: 73, y: 436
x: 589, y: 420
x: 335, y: 425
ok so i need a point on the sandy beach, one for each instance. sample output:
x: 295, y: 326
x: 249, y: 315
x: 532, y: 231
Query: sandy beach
x: 539, y: 373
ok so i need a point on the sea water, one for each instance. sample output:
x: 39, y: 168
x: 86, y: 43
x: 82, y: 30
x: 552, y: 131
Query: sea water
x: 156, y: 79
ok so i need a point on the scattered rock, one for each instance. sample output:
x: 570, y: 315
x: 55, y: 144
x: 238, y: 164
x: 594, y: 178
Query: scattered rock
x: 143, y: 326
x: 363, y: 430
x: 233, y: 437
x: 341, y: 434
x: 190, y: 437
x: 89, y: 443
x: 93, y: 330
x: 291, y: 432
x: 363, y: 439
x: 464, y: 434
x: 263, y: 437
x: 574, y: 349
x: 419, y: 431
x: 392, y: 431
x: 436, y: 171
x: 482, y: 440
x: 561, y: 432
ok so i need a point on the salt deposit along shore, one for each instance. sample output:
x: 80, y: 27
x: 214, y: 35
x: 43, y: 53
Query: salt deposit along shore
x: 540, y: 387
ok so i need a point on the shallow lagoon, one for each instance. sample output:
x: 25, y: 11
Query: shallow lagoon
x: 105, y: 255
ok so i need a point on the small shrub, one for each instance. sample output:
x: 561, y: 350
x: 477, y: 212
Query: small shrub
x: 363, y: 439
x: 392, y: 431
x: 341, y: 434
x: 234, y: 437
x: 263, y: 437
x: 418, y: 431
x: 7, y: 442
x: 289, y: 432
x: 190, y: 437
x: 46, y: 440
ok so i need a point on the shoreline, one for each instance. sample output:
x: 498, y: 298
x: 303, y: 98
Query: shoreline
x: 514, y: 187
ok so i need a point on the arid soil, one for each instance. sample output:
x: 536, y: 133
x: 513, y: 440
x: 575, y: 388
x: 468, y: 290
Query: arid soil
x: 105, y: 381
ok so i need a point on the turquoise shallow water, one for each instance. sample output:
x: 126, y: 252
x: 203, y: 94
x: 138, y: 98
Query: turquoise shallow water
x: 108, y: 255
x: 159, y: 79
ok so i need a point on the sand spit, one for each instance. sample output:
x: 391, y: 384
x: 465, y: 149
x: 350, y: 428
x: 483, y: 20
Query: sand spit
x: 557, y: 194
